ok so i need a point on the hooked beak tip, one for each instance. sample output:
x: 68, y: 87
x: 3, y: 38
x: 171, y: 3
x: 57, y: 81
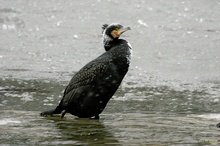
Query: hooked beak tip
x: 128, y: 28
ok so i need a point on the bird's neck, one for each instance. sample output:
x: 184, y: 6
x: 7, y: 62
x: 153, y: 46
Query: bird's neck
x: 107, y: 41
x: 108, y: 44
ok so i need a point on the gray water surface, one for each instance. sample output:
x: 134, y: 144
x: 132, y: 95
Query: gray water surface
x: 170, y: 95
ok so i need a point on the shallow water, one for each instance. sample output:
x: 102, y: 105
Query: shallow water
x: 170, y: 95
x: 27, y: 128
x: 135, y: 116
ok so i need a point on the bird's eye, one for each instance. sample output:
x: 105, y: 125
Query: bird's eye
x: 116, y: 29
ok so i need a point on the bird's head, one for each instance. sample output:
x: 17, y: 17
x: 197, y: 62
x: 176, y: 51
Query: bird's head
x: 113, y: 31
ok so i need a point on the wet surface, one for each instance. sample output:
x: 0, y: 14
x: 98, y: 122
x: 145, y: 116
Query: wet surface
x: 169, y: 97
x: 26, y: 128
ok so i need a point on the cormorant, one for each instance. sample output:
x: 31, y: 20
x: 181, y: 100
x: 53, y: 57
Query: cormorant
x: 92, y: 86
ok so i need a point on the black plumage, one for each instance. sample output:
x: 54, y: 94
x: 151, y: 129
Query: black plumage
x: 92, y: 87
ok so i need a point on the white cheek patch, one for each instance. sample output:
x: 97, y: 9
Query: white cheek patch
x: 105, y: 38
x: 103, y: 35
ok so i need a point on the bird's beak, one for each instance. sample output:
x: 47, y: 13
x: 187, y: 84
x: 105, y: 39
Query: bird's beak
x: 117, y: 33
x: 122, y: 30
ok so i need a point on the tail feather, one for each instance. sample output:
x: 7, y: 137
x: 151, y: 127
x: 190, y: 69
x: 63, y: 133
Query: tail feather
x: 57, y: 110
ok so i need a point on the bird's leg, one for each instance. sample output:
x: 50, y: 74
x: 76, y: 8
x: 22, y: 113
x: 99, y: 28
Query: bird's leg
x: 63, y: 114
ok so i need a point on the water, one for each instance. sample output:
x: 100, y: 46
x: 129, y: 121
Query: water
x: 26, y: 128
x: 169, y: 97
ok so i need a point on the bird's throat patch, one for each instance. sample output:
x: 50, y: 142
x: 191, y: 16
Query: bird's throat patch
x: 115, y: 33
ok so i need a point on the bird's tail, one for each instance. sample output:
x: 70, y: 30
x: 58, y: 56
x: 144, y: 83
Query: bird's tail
x: 57, y: 110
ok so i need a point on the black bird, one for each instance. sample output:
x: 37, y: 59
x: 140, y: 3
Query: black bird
x: 92, y: 86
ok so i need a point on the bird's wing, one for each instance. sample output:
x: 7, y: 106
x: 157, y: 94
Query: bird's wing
x: 90, y: 72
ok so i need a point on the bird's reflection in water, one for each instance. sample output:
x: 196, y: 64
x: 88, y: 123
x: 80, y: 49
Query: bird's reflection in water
x: 84, y: 131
